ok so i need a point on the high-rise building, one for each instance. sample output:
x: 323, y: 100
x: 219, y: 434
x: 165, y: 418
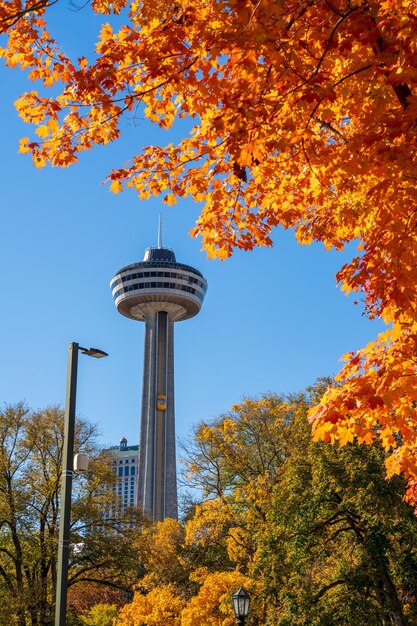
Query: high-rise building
x: 158, y: 291
x: 125, y: 461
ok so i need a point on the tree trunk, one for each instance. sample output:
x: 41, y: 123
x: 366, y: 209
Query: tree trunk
x: 395, y: 611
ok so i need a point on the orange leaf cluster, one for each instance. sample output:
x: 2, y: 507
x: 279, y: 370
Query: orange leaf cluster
x: 304, y: 116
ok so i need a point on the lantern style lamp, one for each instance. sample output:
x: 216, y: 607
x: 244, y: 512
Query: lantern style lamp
x: 240, y: 601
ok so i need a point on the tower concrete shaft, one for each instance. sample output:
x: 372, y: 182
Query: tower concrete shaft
x: 157, y: 491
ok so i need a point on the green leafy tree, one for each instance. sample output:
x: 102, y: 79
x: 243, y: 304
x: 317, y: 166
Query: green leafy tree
x: 315, y: 532
x: 326, y: 536
x: 31, y: 444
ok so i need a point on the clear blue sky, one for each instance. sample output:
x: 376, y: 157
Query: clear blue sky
x: 273, y: 319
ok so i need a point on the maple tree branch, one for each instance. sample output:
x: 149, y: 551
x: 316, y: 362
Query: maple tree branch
x: 329, y: 42
x: 403, y: 93
x: 11, y: 20
x: 333, y: 8
x: 251, y: 16
x: 401, y: 90
x: 300, y: 14
x: 309, y: 164
x: 353, y: 73
x: 307, y: 80
x: 137, y: 95
x: 331, y: 128
x: 79, y: 7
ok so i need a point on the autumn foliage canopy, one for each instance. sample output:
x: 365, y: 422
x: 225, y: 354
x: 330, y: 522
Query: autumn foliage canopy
x: 313, y: 532
x: 303, y: 114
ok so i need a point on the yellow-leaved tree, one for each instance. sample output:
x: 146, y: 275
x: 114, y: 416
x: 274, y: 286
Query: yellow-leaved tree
x: 304, y: 116
x: 179, y: 587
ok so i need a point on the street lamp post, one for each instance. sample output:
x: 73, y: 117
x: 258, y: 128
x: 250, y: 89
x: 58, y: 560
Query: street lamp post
x: 66, y: 478
x: 240, y: 601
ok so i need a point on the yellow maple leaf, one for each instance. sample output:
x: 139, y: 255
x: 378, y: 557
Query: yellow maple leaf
x: 170, y: 199
x: 23, y: 145
x: 42, y: 131
x: 116, y: 186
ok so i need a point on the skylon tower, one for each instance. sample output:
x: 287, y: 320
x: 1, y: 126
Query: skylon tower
x: 158, y: 291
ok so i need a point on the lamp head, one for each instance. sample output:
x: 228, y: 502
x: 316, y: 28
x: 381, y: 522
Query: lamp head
x: 81, y: 462
x: 94, y: 352
x: 240, y: 601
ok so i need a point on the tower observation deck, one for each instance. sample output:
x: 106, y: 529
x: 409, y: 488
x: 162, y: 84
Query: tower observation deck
x: 158, y: 291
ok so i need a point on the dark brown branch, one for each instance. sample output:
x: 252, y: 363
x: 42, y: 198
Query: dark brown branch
x: 11, y: 20
x: 327, y: 588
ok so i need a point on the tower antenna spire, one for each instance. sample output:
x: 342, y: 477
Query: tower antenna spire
x: 160, y: 231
